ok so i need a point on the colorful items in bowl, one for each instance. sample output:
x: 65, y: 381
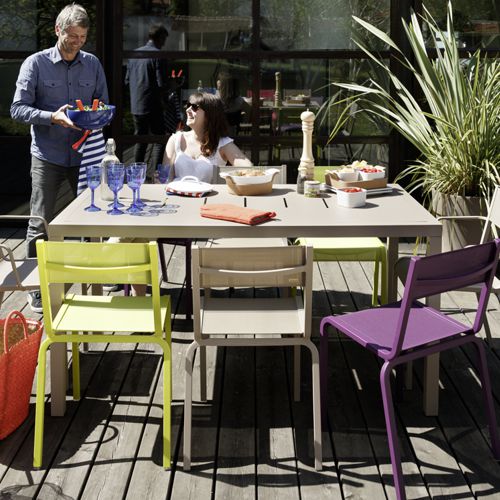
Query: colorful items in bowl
x: 351, y: 197
x: 92, y: 120
x: 370, y: 173
x: 245, y: 176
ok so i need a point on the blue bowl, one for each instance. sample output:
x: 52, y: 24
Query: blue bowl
x: 92, y: 120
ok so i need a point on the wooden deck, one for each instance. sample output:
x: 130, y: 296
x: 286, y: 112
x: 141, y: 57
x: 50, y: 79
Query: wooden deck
x: 251, y: 440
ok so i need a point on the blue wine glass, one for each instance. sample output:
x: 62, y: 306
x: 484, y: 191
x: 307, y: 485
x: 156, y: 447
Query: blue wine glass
x: 93, y: 180
x: 163, y: 172
x: 134, y: 181
x: 116, y: 177
x: 138, y: 201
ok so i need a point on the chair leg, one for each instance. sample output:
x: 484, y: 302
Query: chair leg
x: 392, y: 433
x: 75, y: 369
x: 323, y: 364
x: 203, y: 373
x: 188, y: 400
x: 167, y: 404
x: 296, y: 373
x: 318, y: 448
x: 40, y: 403
x: 487, y: 397
x: 486, y: 323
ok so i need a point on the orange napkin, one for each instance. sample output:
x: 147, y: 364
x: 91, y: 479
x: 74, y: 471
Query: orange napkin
x: 234, y: 213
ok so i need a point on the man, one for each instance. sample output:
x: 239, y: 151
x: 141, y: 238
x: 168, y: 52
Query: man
x: 148, y: 83
x: 49, y: 82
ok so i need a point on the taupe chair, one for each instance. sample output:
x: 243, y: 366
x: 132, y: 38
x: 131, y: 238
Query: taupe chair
x: 274, y: 321
x: 18, y: 274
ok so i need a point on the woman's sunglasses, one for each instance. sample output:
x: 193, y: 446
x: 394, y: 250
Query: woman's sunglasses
x: 193, y: 106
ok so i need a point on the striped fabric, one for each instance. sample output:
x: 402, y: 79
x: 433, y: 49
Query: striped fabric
x: 92, y: 154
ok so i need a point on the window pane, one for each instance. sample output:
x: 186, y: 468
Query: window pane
x: 476, y: 23
x: 307, y: 84
x: 320, y: 24
x: 192, y: 24
x: 29, y: 24
x: 9, y: 70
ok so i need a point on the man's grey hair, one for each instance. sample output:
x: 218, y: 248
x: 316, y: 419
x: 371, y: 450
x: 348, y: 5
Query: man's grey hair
x: 72, y: 15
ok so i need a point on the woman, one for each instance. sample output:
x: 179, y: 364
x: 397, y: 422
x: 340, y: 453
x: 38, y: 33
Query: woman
x: 206, y: 145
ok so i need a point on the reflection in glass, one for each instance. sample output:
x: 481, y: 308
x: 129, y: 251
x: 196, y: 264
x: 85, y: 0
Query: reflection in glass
x: 29, y: 24
x: 318, y: 24
x: 192, y: 25
x: 476, y: 23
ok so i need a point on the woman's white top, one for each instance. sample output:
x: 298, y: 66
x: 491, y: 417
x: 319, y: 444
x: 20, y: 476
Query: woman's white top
x: 201, y: 167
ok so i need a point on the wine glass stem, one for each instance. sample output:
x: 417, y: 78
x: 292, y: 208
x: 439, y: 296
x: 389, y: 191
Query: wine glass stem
x: 115, y: 201
x: 92, y: 197
x: 134, y: 197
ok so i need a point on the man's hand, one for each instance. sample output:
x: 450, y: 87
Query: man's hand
x: 59, y: 117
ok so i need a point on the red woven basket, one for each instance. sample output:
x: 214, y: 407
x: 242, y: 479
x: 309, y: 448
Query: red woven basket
x: 19, y: 343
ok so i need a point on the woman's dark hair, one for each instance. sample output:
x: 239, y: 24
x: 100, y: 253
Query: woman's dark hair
x: 215, y: 121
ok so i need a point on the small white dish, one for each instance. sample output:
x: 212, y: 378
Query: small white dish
x: 351, y: 197
x: 369, y: 176
x: 347, y: 176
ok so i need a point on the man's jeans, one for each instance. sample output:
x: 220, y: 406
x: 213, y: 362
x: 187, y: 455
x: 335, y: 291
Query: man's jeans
x: 46, y: 179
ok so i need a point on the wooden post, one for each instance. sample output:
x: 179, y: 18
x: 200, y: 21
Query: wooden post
x: 307, y: 158
x: 277, y: 90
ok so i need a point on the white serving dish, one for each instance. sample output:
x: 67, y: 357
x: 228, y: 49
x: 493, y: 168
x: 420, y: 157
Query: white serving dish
x: 240, y: 180
x: 369, y: 176
x: 351, y: 200
x: 189, y: 186
x: 347, y: 176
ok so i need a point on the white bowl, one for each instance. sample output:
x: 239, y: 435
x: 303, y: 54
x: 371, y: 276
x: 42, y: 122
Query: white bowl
x: 369, y: 176
x: 347, y: 176
x: 351, y: 200
x: 267, y: 176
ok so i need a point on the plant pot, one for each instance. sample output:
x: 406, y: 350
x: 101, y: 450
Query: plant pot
x: 458, y: 234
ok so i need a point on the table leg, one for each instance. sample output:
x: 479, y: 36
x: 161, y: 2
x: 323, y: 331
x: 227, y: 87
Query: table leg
x: 431, y: 363
x: 392, y: 257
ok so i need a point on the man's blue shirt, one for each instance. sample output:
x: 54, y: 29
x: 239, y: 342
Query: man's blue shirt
x: 45, y: 83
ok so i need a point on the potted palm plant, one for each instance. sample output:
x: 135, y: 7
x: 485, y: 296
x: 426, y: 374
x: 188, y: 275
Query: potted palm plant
x: 456, y: 128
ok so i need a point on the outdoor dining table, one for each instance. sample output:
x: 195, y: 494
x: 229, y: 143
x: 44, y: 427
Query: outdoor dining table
x: 392, y: 216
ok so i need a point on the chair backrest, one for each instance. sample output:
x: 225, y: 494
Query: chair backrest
x: 493, y: 219
x: 97, y: 263
x: 445, y: 272
x: 260, y: 267
x: 279, y: 179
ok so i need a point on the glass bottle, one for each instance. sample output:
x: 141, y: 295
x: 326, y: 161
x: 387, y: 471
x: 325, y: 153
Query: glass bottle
x: 301, y: 178
x: 109, y: 158
x: 200, y: 86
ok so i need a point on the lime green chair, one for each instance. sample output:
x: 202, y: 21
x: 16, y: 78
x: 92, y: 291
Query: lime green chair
x: 365, y: 249
x: 75, y: 262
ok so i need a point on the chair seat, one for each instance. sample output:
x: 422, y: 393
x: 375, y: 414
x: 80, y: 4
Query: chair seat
x: 28, y: 274
x: 351, y: 249
x: 108, y: 314
x: 376, y: 329
x: 255, y: 317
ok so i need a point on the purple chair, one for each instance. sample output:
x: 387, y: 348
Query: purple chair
x: 408, y: 330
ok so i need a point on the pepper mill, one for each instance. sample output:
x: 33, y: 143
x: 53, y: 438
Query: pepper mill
x: 277, y: 90
x: 307, y: 158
